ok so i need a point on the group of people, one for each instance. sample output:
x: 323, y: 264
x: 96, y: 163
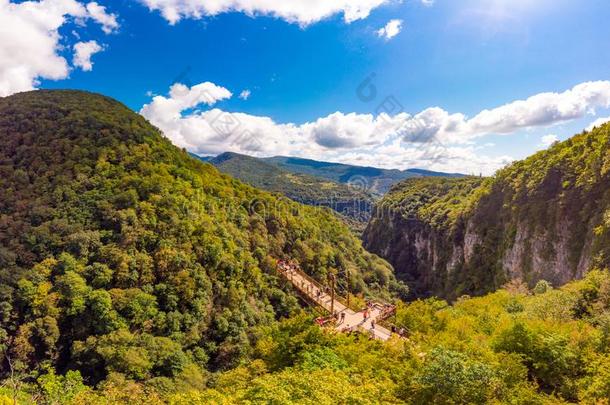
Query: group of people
x: 290, y: 267
x: 287, y: 266
x: 366, y: 314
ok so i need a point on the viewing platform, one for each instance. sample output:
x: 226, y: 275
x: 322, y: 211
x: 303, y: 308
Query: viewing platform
x: 345, y: 319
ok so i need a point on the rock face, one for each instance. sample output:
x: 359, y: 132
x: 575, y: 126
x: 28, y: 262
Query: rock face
x: 546, y: 217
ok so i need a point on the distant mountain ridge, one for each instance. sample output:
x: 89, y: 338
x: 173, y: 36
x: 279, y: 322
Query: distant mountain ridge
x: 372, y: 179
x: 349, y: 201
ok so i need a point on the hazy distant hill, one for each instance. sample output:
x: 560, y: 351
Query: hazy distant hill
x: 306, y: 189
x: 371, y: 179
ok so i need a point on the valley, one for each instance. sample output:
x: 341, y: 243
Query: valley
x: 297, y: 202
x: 132, y: 272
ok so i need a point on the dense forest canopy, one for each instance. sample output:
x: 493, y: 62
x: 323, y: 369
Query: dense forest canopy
x: 516, y: 346
x: 133, y: 273
x: 122, y: 255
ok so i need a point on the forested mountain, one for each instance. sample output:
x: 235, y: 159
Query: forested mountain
x: 133, y: 273
x: 345, y: 199
x: 546, y: 217
x: 370, y: 179
x: 123, y: 257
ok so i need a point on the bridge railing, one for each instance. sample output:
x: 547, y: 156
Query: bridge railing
x: 311, y: 280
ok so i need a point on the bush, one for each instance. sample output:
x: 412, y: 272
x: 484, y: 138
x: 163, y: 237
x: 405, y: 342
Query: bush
x: 449, y: 377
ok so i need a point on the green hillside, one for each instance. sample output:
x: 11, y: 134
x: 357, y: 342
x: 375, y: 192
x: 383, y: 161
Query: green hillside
x: 546, y: 217
x: 346, y: 200
x: 123, y: 257
x: 133, y: 273
x: 371, y: 179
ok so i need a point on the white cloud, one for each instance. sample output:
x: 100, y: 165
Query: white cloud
x: 167, y: 111
x: 432, y: 139
x: 351, y: 138
x: 391, y: 29
x: 107, y: 21
x: 245, y: 94
x: 598, y: 123
x: 216, y: 131
x: 548, y: 140
x: 302, y: 12
x: 30, y: 41
x: 541, y: 110
x: 450, y: 159
x: 348, y: 131
x: 83, y: 52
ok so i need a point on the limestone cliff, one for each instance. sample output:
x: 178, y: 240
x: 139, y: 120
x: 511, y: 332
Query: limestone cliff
x: 546, y: 217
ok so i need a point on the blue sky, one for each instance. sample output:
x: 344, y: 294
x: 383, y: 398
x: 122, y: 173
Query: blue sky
x: 303, y: 71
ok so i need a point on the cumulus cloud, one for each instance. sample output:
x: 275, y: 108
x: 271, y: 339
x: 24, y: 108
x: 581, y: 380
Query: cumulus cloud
x: 433, y: 138
x: 166, y: 111
x: 598, y: 123
x: 390, y: 30
x: 541, y: 110
x: 350, y: 138
x: 215, y: 130
x: 107, y: 20
x: 348, y: 131
x: 302, y: 12
x: 30, y: 40
x: 82, y: 54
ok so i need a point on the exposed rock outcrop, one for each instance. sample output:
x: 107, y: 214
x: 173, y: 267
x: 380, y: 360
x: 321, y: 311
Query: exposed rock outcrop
x: 546, y: 217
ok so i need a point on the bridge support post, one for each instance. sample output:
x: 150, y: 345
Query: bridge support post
x: 347, y: 280
x: 332, y: 294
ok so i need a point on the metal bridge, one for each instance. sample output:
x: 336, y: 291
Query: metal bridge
x: 345, y: 319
